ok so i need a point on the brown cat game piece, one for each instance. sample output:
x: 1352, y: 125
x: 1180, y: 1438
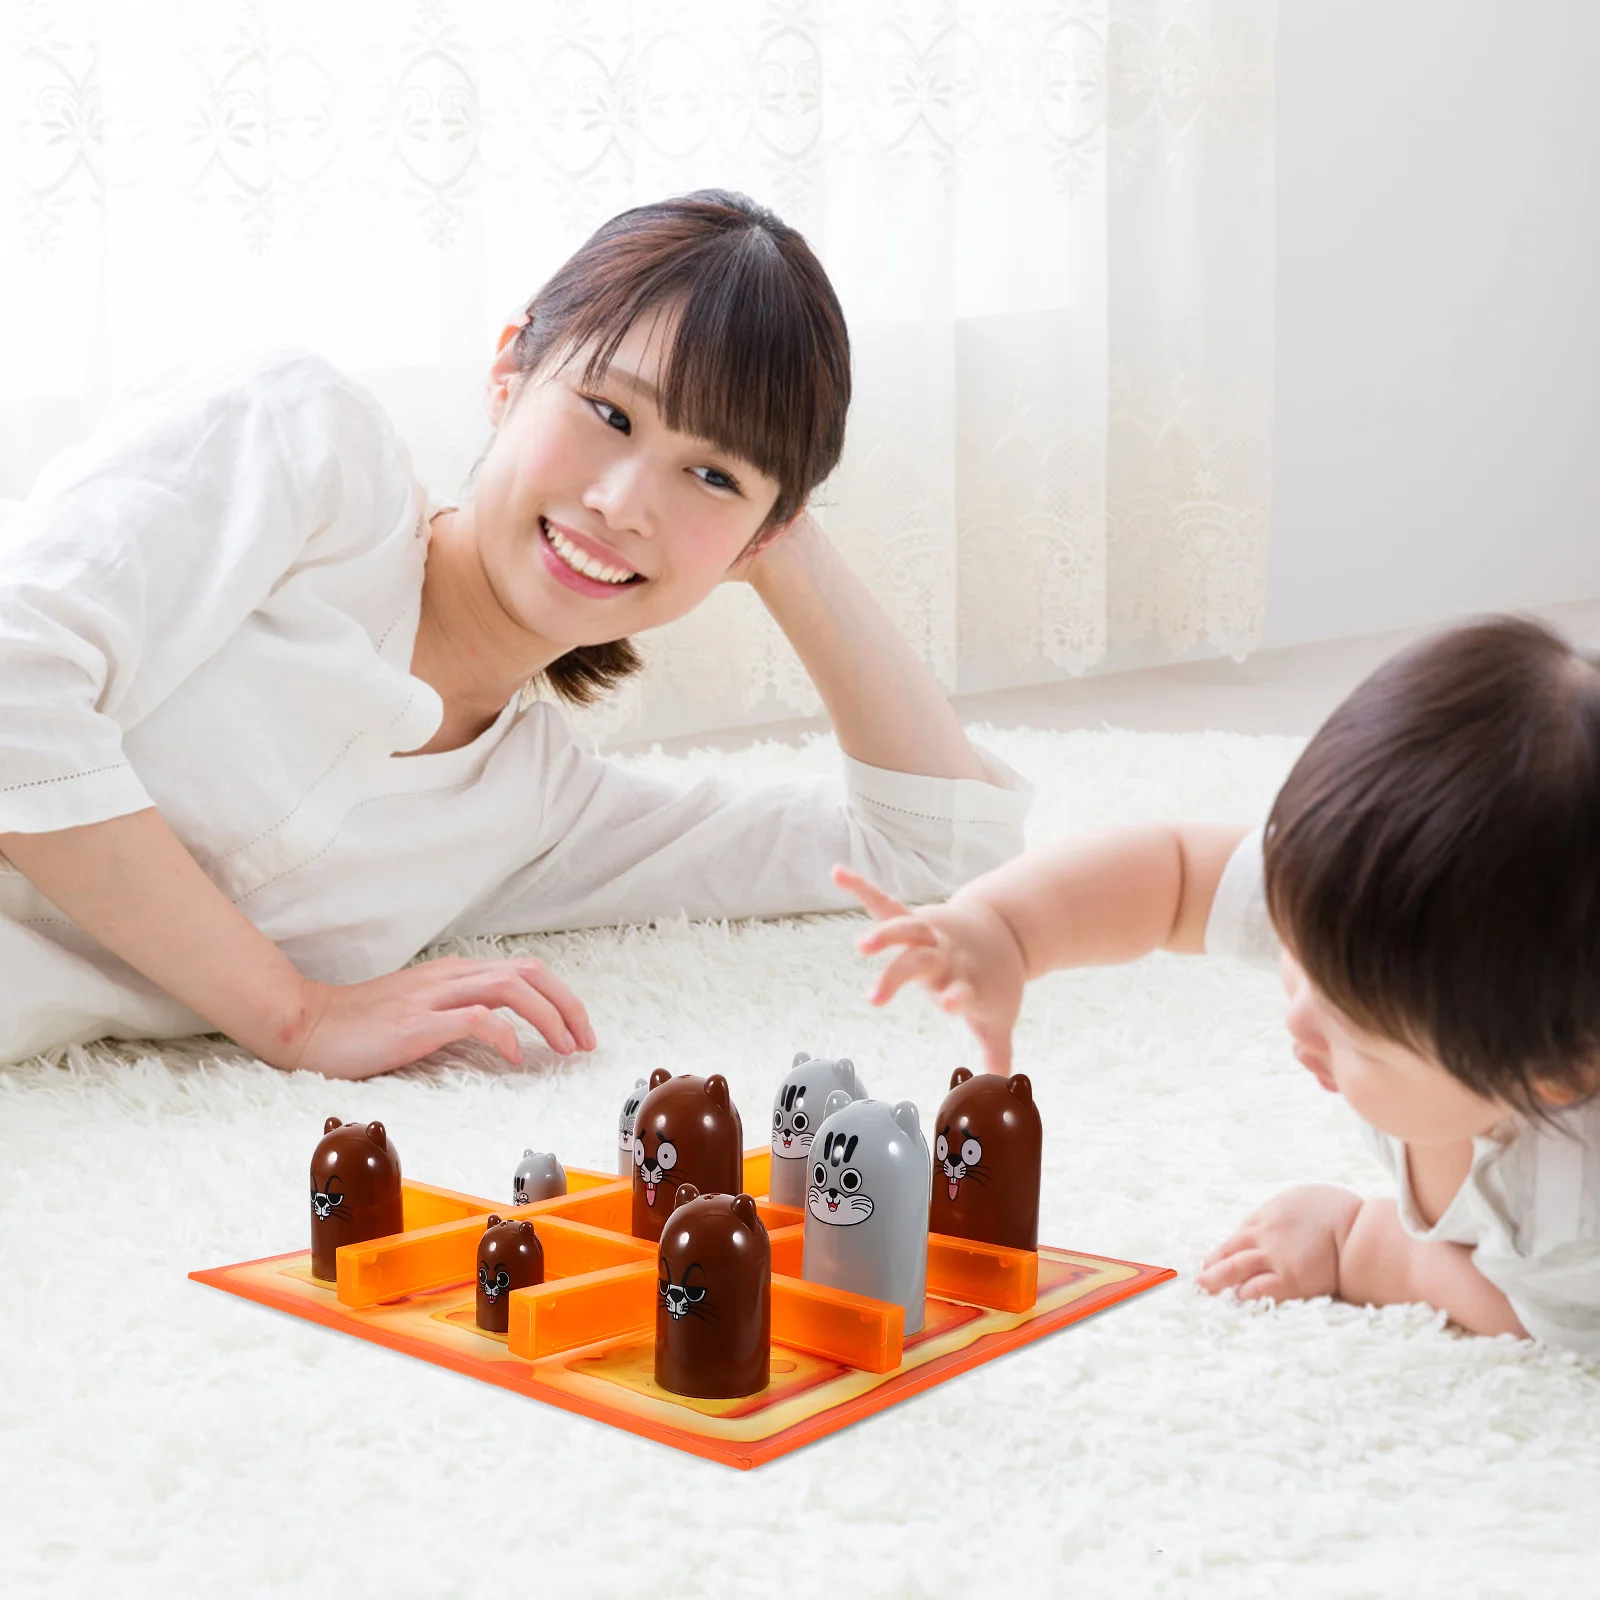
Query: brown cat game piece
x: 509, y: 1257
x: 687, y: 1131
x: 714, y: 1298
x: 355, y: 1191
x: 987, y: 1150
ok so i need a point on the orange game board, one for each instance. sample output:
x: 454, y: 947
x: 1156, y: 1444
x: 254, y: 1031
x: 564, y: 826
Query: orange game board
x: 584, y: 1340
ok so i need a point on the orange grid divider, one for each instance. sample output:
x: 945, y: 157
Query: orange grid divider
x: 567, y: 1313
x: 848, y: 1328
x: 982, y: 1274
x: 788, y: 1249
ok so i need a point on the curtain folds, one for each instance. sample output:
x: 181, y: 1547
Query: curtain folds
x: 1050, y: 223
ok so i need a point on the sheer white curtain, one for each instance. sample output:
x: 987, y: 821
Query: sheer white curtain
x: 1050, y: 222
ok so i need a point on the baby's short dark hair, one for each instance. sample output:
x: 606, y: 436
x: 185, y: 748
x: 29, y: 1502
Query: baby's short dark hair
x: 1433, y: 861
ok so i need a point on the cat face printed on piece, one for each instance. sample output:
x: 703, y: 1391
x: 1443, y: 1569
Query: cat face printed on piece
x: 630, y: 1110
x: 355, y: 1191
x: 987, y: 1153
x: 797, y: 1113
x: 713, y: 1297
x: 687, y: 1131
x: 539, y: 1176
x: 866, y: 1226
x: 510, y: 1256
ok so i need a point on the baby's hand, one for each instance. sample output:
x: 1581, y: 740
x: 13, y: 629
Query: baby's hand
x: 1289, y: 1249
x: 963, y: 951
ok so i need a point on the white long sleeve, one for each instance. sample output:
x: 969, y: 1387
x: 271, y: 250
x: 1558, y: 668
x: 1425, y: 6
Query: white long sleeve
x: 139, y: 554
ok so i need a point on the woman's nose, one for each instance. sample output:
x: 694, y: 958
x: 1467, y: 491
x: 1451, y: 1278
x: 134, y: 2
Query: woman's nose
x: 621, y: 495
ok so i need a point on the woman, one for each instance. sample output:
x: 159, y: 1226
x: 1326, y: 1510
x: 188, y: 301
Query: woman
x: 262, y: 729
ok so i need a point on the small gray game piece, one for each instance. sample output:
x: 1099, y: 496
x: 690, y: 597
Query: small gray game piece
x: 539, y: 1176
x: 867, y: 1205
x: 630, y: 1110
x: 797, y: 1114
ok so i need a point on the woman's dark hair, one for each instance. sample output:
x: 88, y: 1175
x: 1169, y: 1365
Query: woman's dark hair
x: 1433, y: 861
x: 759, y: 363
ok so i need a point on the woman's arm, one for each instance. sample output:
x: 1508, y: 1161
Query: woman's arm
x: 130, y: 883
x: 885, y: 707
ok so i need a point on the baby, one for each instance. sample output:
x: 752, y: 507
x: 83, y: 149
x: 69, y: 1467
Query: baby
x: 1428, y: 883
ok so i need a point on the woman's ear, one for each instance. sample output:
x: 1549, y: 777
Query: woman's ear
x: 503, y: 372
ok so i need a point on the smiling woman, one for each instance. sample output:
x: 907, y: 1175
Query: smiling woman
x: 227, y: 615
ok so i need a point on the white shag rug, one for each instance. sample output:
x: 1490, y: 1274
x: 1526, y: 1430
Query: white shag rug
x: 157, y: 1437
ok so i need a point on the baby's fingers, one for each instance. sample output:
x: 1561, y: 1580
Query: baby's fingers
x: 907, y: 929
x: 931, y: 967
x: 868, y: 893
x: 1233, y: 1269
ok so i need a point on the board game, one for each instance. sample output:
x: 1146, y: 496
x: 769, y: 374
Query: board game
x: 584, y: 1339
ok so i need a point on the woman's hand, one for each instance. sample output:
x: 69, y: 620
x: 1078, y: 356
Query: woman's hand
x: 361, y: 1029
x: 963, y: 951
x: 1289, y: 1249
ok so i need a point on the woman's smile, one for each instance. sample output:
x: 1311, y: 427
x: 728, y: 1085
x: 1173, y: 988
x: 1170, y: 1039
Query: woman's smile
x: 583, y: 564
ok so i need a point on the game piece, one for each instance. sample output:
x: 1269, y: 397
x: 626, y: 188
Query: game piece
x: 509, y: 1257
x: 687, y: 1131
x: 539, y: 1176
x: 355, y: 1191
x: 713, y: 1298
x: 987, y: 1151
x: 630, y: 1110
x: 797, y: 1114
x: 867, y: 1205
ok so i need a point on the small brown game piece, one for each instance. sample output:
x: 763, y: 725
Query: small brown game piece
x: 509, y: 1257
x: 987, y: 1151
x: 355, y: 1191
x: 687, y: 1131
x: 714, y: 1298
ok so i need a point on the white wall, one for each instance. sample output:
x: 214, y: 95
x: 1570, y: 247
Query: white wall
x: 1437, y: 445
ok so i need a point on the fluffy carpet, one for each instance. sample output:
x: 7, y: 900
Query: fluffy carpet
x: 156, y: 1436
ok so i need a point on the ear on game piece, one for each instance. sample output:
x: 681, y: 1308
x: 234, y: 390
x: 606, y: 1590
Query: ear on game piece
x: 1020, y: 1087
x: 837, y: 1100
x: 717, y: 1088
x: 685, y: 1193
x: 905, y: 1116
x: 745, y: 1209
x: 959, y: 1076
x: 331, y: 1124
x: 526, y: 1154
x: 493, y: 1222
x: 376, y: 1134
x: 659, y: 1077
x: 800, y: 1059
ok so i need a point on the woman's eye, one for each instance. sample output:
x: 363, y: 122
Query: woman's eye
x: 716, y: 478
x: 611, y: 416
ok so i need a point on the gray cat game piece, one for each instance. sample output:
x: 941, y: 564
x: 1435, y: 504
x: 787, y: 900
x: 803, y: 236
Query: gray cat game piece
x: 539, y: 1176
x: 797, y: 1113
x: 867, y: 1205
x: 630, y: 1110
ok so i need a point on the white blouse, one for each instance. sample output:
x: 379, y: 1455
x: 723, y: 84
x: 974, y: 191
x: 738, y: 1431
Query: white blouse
x: 210, y: 607
x: 1530, y: 1204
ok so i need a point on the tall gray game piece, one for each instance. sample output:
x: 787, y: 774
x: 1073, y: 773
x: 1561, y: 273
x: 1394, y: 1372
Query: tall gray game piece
x: 630, y: 1110
x: 867, y: 1205
x: 797, y: 1113
x: 539, y: 1176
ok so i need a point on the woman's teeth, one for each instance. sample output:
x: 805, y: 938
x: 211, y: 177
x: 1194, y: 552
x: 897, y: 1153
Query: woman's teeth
x: 579, y: 562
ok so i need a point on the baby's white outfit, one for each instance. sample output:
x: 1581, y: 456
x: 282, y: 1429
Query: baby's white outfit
x: 210, y: 607
x: 1529, y: 1206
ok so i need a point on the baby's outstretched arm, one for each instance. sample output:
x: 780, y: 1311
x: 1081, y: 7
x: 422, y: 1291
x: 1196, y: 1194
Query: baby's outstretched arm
x: 1090, y: 901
